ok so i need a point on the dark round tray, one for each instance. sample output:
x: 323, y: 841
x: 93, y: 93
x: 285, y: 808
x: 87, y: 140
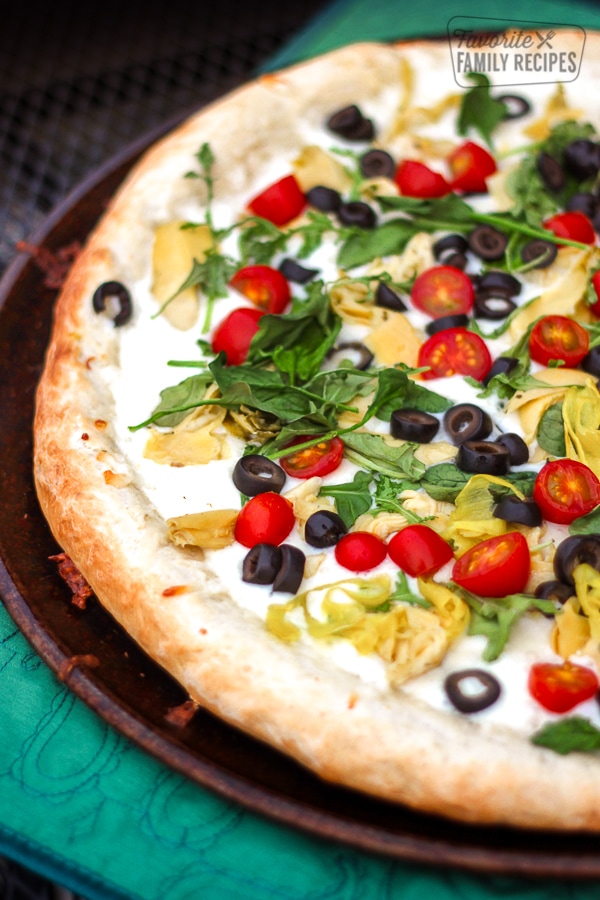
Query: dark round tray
x: 131, y: 692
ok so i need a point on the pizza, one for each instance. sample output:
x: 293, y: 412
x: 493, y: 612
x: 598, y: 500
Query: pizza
x: 319, y: 422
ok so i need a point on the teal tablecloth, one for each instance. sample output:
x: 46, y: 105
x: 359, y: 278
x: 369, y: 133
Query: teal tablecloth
x: 81, y: 804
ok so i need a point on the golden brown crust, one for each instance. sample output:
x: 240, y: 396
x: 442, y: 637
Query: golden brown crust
x: 388, y: 744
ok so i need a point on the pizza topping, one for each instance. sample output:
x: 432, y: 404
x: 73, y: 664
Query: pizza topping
x: 520, y: 512
x: 261, y: 564
x: 516, y: 446
x: 357, y: 213
x: 291, y: 570
x: 470, y: 165
x: 324, y: 529
x: 454, y: 351
x: 234, y: 335
x: 495, y: 567
x: 293, y: 271
x: 566, y: 489
x: 488, y: 243
x: 483, y: 457
x: 442, y: 291
x: 212, y: 529
x: 415, y: 179
x: 350, y: 124
x: 558, y: 338
x: 574, y: 551
x: 279, y: 203
x: 413, y: 425
x: 538, y: 253
x: 460, y: 320
x: 493, y: 304
x: 354, y: 352
x: 591, y: 361
x: 573, y: 225
x: 551, y: 172
x: 324, y: 198
x: 419, y: 550
x: 582, y: 158
x: 267, y: 518
x: 265, y: 287
x: 472, y: 690
x: 515, y: 106
x: 561, y: 687
x: 377, y: 164
x: 467, y: 422
x: 318, y: 459
x: 386, y: 297
x: 254, y: 474
x: 360, y: 551
x: 113, y: 298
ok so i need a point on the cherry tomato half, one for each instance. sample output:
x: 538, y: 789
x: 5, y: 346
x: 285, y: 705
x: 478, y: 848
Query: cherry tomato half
x: 264, y: 286
x: 572, y: 225
x: 470, y: 165
x: 281, y: 202
x: 419, y: 550
x: 560, y: 338
x: 443, y: 291
x: 319, y: 459
x: 415, y: 179
x: 265, y: 519
x: 595, y: 307
x: 234, y: 334
x: 455, y: 351
x: 360, y: 551
x: 495, y: 567
x: 559, y: 687
x: 565, y: 489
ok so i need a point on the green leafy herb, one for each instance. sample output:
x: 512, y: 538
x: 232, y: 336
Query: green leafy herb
x: 351, y: 499
x: 445, y: 481
x: 364, y: 245
x: 178, y: 400
x: 568, y: 735
x: 206, y: 161
x: 551, y: 431
x: 403, y: 594
x: 588, y: 524
x: 479, y: 110
x: 370, y: 451
x: 387, y: 497
x: 260, y: 240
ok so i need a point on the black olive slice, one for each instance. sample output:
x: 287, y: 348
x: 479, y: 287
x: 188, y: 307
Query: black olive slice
x: 350, y: 124
x: 492, y: 304
x: 471, y: 697
x: 483, y: 458
x: 523, y: 512
x: 413, y: 425
x: 323, y: 198
x: 255, y: 474
x: 497, y: 280
x: 389, y: 299
x: 456, y: 260
x: 118, y: 293
x: 516, y: 106
x: 324, y: 529
x: 359, y: 355
x: 542, y: 251
x: 451, y: 243
x: 516, y: 446
x: 502, y: 365
x: 467, y: 422
x: 551, y: 172
x: 585, y: 202
x: 487, y: 242
x: 261, y: 564
x: 580, y: 548
x: 582, y: 158
x: 356, y: 212
x: 457, y: 320
x: 293, y: 271
x: 591, y: 361
x: 291, y: 571
x: 557, y: 591
x: 377, y: 164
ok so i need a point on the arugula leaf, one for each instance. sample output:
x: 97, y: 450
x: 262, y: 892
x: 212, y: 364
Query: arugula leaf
x: 386, y: 498
x: 479, y: 110
x: 351, y: 499
x: 260, y: 240
x: 403, y: 594
x: 312, y: 232
x: 588, y: 524
x: 494, y: 618
x: 551, y: 431
x: 568, y: 735
x: 406, y: 392
x: 364, y: 245
x: 177, y: 401
x: 445, y: 481
x: 370, y: 451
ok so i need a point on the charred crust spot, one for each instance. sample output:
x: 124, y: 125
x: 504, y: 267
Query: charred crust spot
x: 71, y: 575
x: 182, y: 715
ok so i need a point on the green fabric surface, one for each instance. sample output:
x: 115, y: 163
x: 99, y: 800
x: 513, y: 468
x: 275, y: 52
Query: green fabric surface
x: 83, y: 805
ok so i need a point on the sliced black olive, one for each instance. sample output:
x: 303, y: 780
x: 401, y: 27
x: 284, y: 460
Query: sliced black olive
x: 516, y: 106
x: 451, y: 243
x: 323, y: 198
x: 117, y: 292
x: 350, y: 123
x: 516, y: 446
x: 523, y: 512
x: 492, y: 304
x: 557, y: 591
x: 542, y: 251
x: 502, y: 365
x: 255, y: 474
x: 356, y: 212
x: 483, y: 458
x: 261, y: 564
x: 497, y: 280
x: 467, y: 422
x: 413, y: 425
x: 456, y: 260
x: 580, y: 548
x: 582, y: 158
x: 591, y: 361
x: 359, y: 355
x: 585, y: 202
x: 324, y: 529
x: 291, y: 571
x: 377, y: 164
x: 487, y: 242
x: 293, y: 271
x: 464, y: 698
x: 389, y: 299
x: 551, y: 172
x: 457, y: 320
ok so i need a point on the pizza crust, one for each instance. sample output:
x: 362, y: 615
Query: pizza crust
x: 390, y: 744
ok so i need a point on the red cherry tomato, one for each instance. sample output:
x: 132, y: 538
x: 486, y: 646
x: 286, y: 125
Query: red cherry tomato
x: 560, y: 338
x: 280, y: 202
x: 265, y: 287
x: 559, y: 687
x: 455, y: 351
x: 595, y: 307
x: 234, y: 334
x: 470, y: 165
x: 360, y: 551
x: 572, y: 225
x: 319, y: 459
x: 415, y: 179
x: 443, y: 291
x: 267, y: 518
x: 495, y: 567
x: 419, y: 550
x: 565, y: 489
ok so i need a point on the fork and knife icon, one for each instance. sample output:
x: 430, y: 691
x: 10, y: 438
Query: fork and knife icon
x: 545, y: 41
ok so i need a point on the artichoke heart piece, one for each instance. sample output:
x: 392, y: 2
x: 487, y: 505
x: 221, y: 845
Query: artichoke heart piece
x: 314, y: 167
x: 210, y: 530
x: 394, y: 341
x: 532, y: 404
x: 173, y: 255
x: 473, y: 519
x: 581, y: 415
